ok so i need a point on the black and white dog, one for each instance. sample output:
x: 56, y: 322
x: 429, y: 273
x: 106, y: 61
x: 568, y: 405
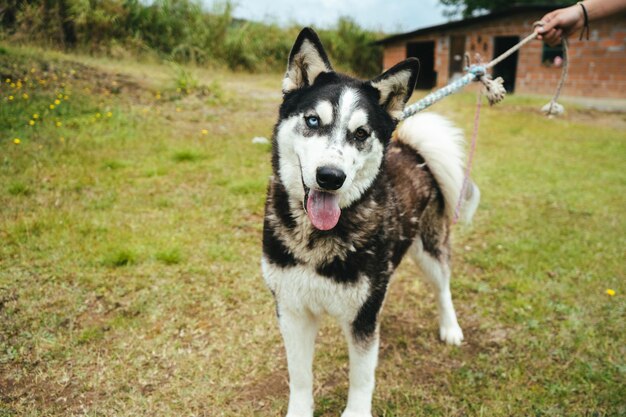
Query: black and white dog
x: 346, y: 202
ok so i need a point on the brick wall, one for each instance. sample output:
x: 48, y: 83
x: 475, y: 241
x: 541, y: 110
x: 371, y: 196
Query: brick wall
x: 597, y: 67
x: 393, y: 54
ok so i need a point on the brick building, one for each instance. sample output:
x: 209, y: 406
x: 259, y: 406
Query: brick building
x: 597, y: 66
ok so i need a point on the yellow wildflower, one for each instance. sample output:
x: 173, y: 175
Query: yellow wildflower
x: 32, y: 70
x: 25, y: 96
x: 12, y: 85
x: 66, y: 97
x: 205, y: 132
x: 610, y: 292
x: 8, y: 81
x: 11, y: 98
x: 62, y: 139
x: 59, y: 95
x: 98, y: 115
x: 109, y: 114
x: 31, y: 122
x: 52, y: 107
x: 17, y: 141
x: 57, y: 102
x: 36, y: 116
x: 59, y: 124
x: 158, y: 96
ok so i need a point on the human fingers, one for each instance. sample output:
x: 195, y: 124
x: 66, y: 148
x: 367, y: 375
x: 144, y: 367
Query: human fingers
x: 554, y: 37
x: 549, y: 21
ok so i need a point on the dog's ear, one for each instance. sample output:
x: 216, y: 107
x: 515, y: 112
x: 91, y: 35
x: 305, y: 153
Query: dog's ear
x: 307, y: 60
x: 396, y: 86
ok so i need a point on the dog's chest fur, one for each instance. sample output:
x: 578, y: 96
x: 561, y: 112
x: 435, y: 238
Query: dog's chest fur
x: 354, y: 261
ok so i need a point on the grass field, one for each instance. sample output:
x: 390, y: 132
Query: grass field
x: 130, y: 222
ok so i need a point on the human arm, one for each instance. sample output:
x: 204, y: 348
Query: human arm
x: 564, y: 22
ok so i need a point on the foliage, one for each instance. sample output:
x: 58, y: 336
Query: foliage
x: 177, y: 30
x: 354, y: 47
x: 469, y: 8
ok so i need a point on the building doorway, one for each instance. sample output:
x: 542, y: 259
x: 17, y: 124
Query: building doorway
x: 506, y: 69
x: 425, y: 52
x: 457, y: 52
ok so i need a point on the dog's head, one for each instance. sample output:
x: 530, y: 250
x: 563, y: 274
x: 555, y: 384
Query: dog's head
x: 333, y: 130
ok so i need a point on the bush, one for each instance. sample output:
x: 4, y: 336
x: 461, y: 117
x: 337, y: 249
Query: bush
x: 351, y: 46
x: 179, y: 30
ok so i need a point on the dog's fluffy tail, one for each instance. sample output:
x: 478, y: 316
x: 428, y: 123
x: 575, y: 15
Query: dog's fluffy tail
x: 441, y: 145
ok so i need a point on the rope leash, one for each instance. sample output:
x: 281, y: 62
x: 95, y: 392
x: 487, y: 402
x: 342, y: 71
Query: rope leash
x: 494, y: 89
x: 495, y: 92
x: 554, y: 108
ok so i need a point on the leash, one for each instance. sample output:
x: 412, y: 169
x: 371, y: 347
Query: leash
x: 470, y: 159
x: 494, y: 91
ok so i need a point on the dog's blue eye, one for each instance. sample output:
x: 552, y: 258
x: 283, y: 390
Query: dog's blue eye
x: 312, y: 121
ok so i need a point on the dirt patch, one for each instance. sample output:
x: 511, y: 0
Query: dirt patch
x: 616, y: 120
x: 261, y: 391
x: 46, y: 395
x: 105, y: 83
x: 59, y: 74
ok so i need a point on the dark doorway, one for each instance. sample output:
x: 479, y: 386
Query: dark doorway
x: 457, y: 52
x: 506, y: 69
x: 425, y: 52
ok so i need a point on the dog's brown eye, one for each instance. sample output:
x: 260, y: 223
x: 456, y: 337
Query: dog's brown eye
x: 361, y: 134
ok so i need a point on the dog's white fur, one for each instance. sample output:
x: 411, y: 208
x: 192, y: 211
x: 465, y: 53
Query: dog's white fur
x: 305, y: 297
x: 441, y: 145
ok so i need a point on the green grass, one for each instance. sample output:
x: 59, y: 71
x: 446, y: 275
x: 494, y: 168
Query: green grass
x: 170, y: 256
x: 129, y: 265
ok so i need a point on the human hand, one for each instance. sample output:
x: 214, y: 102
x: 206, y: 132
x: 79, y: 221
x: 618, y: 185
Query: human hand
x: 559, y: 23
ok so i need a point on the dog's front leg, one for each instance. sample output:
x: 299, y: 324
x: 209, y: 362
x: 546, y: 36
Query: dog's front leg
x: 363, y: 359
x: 299, y: 330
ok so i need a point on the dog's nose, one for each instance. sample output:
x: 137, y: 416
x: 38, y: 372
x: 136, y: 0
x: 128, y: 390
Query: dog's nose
x: 330, y: 178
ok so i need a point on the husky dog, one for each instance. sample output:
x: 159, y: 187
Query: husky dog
x: 346, y: 202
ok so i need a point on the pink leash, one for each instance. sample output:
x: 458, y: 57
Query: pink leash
x: 470, y: 159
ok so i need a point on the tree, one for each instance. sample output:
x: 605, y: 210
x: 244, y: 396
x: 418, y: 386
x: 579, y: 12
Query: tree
x: 8, y: 12
x: 469, y: 8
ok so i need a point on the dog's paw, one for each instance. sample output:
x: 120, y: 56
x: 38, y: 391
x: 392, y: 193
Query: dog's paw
x: 452, y: 335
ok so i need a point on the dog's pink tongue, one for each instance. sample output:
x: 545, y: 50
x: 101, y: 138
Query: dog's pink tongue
x: 323, y: 209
